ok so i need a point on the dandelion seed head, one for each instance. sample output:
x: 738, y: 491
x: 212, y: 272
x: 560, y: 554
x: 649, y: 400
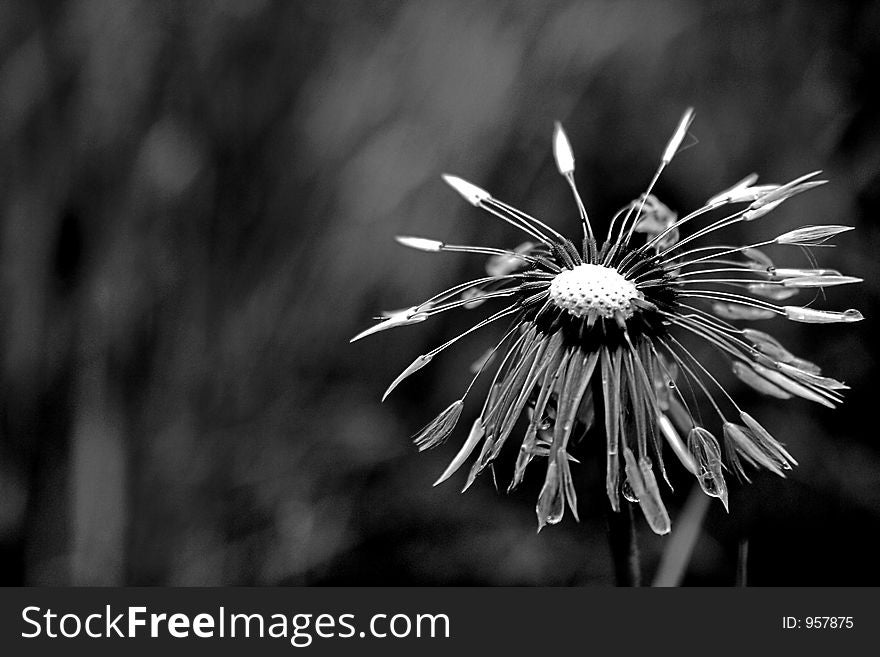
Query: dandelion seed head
x: 592, y: 344
x: 589, y: 287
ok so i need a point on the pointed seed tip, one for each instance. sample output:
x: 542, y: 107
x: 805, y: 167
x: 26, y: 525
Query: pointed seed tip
x: 678, y: 136
x: 562, y: 152
x: 471, y: 193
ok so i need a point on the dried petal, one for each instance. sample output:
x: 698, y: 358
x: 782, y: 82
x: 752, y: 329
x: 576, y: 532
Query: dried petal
x: 664, y: 383
x: 398, y: 318
x: 611, y: 365
x: 473, y: 439
x: 412, y: 368
x: 815, y: 379
x: 813, y: 316
x: 742, y: 442
x: 751, y: 193
x: 791, y: 386
x: 767, y: 202
x: 768, y: 443
x: 756, y: 213
x: 786, y: 191
x: 438, y: 430
x: 819, y: 281
x: 799, y: 365
x: 811, y: 235
x: 651, y: 501
x: 640, y: 476
x: 789, y: 272
x: 705, y: 451
x: 420, y: 243
x: 734, y: 191
x: 678, y: 136
x: 766, y: 344
x: 586, y: 413
x: 562, y: 150
x: 563, y: 461
x: 551, y: 501
x: 677, y: 444
x: 679, y: 415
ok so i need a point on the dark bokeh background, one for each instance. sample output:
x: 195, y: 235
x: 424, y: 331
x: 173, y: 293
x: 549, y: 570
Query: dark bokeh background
x: 197, y: 208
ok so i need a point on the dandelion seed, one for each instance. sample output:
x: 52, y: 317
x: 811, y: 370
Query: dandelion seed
x: 562, y: 151
x: 741, y: 311
x: 420, y: 243
x: 789, y: 189
x: 819, y: 281
x: 678, y: 136
x: 707, y: 455
x: 771, y: 291
x: 414, y: 367
x: 392, y: 320
x: 811, y: 235
x: 790, y: 272
x: 440, y: 427
x: 474, y: 438
x: 751, y: 377
x: 813, y: 316
x: 471, y: 193
x: 593, y: 346
x: 742, y: 191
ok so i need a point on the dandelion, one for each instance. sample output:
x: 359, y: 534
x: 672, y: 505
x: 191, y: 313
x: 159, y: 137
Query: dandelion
x: 594, y: 341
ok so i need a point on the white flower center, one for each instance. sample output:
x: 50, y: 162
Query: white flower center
x: 593, y: 287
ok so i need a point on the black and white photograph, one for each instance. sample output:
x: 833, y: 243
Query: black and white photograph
x: 578, y: 293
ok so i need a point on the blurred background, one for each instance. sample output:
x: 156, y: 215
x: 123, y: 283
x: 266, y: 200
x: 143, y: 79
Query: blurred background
x: 197, y: 212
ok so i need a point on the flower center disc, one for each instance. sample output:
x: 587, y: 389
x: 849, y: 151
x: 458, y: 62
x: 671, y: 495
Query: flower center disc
x: 593, y: 287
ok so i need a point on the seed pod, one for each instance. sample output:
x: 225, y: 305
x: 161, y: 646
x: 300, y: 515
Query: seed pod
x: 748, y: 375
x: 677, y: 444
x: 471, y: 193
x: 438, y: 430
x: 420, y: 243
x: 813, y: 316
x: 811, y: 235
x: 412, y: 368
x: 707, y: 455
x: 473, y: 439
x: 740, y: 311
x: 562, y: 150
x: 819, y: 281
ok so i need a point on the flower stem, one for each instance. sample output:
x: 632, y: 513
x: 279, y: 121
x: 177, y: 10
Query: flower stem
x: 742, y: 563
x: 623, y: 542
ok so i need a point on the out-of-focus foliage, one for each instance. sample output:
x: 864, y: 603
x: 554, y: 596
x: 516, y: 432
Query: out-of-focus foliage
x: 196, y: 212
